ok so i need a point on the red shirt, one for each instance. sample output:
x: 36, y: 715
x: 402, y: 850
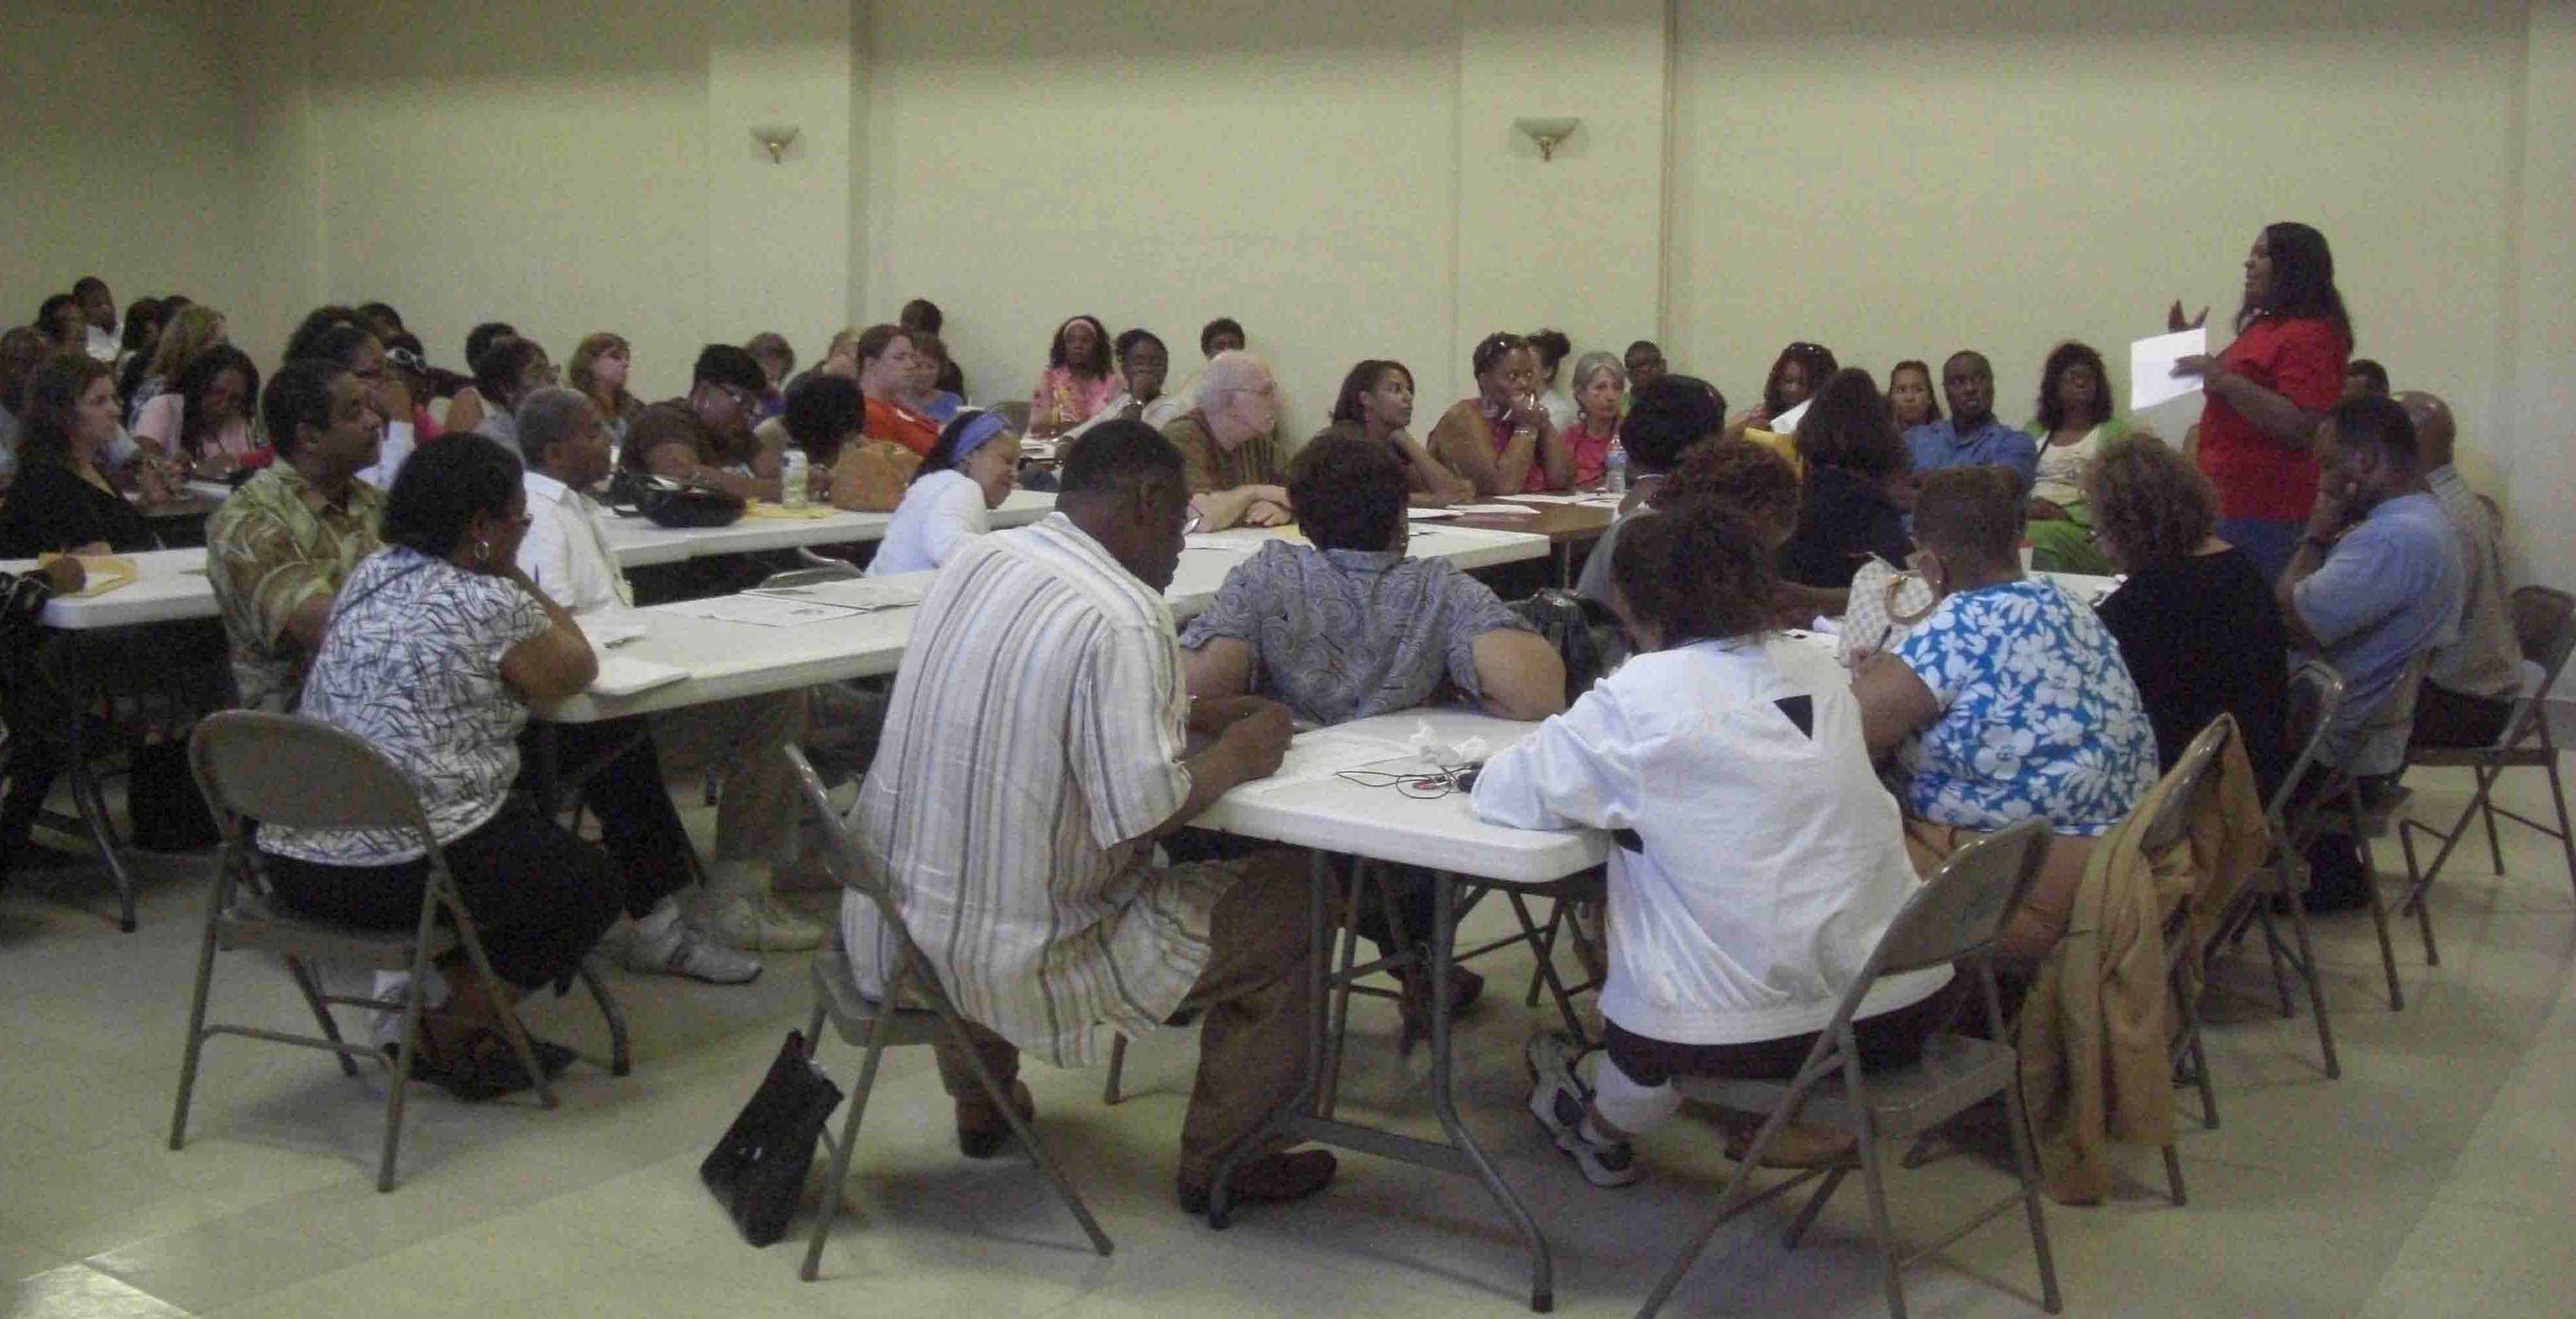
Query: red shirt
x: 1591, y: 454
x: 896, y: 424
x: 2258, y: 477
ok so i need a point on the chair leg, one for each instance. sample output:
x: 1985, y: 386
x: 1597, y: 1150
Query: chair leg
x: 302, y: 972
x: 196, y: 1044
x: 1328, y: 1086
x: 1547, y: 973
x: 1001, y: 1097
x: 1544, y: 947
x: 2027, y: 1166
x: 1815, y: 1206
x: 398, y: 1085
x: 621, y: 1055
x: 2378, y: 903
x: 1117, y: 1064
x: 2558, y: 798
x: 2307, y: 965
x: 2495, y: 847
x: 1874, y: 1181
x: 513, y: 1031
x: 840, y: 1174
x: 2173, y: 1176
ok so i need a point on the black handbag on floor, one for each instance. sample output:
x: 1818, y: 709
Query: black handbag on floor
x: 169, y: 814
x: 757, y: 1171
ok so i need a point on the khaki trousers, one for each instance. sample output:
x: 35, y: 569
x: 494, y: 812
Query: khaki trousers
x: 757, y: 798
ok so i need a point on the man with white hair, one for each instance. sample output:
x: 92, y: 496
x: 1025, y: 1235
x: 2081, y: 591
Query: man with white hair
x: 566, y: 554
x: 1229, y: 444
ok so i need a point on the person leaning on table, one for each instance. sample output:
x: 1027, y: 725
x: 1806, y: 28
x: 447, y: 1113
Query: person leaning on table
x: 1758, y: 859
x: 436, y: 650
x: 1044, y: 673
x: 2009, y: 702
x: 1229, y: 444
x: 952, y: 496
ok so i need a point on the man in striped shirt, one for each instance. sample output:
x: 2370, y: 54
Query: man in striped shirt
x: 1033, y: 751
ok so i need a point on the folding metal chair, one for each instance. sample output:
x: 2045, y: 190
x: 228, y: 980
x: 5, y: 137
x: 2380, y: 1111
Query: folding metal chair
x: 2299, y: 818
x: 2316, y: 691
x: 2545, y: 620
x: 878, y: 1026
x: 2185, y: 963
x: 285, y: 770
x: 1954, y: 919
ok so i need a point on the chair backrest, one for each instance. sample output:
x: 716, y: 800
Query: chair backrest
x: 1962, y: 907
x: 2316, y: 692
x: 2190, y: 780
x: 283, y: 769
x: 2544, y: 621
x: 850, y: 865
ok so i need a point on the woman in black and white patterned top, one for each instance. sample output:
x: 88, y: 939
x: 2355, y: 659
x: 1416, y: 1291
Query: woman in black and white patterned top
x: 436, y: 649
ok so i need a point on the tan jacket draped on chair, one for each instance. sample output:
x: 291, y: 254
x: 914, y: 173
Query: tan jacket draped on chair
x: 2093, y: 1033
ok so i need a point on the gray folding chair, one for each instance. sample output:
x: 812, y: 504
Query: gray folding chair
x: 2316, y: 691
x: 285, y: 770
x: 1952, y: 919
x: 2545, y: 620
x: 2297, y: 819
x: 877, y: 1027
x: 2185, y: 963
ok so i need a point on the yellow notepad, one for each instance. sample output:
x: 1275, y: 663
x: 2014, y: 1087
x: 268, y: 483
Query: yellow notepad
x: 762, y: 508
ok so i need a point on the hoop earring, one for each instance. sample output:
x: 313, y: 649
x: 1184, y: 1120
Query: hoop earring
x: 483, y: 552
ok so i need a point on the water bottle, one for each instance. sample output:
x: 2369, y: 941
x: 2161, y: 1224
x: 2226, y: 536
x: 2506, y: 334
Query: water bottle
x: 1615, y: 470
x: 791, y: 480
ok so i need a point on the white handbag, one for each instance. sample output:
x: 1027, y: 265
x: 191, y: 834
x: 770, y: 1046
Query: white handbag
x: 1885, y: 602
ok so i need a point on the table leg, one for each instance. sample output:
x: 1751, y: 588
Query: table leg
x: 1444, y: 1102
x: 92, y: 802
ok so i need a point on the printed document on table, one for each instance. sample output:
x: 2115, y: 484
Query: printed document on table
x: 2151, y: 364
x: 761, y: 610
x: 1326, y: 752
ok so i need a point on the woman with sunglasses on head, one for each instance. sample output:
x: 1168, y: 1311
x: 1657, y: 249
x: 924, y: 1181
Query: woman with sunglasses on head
x: 1500, y: 441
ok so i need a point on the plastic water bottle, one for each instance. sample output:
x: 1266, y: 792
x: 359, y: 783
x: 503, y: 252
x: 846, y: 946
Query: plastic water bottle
x: 791, y: 480
x: 1614, y: 472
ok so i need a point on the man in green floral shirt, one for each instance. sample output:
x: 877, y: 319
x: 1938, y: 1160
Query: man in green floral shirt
x: 277, y: 551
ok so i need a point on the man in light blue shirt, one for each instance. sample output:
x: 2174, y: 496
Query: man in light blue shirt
x: 1970, y: 436
x: 2378, y: 581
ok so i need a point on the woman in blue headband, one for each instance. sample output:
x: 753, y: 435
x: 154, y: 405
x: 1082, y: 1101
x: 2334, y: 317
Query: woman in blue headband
x: 961, y: 480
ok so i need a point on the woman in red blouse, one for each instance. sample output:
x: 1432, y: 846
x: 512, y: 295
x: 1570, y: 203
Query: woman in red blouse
x: 2266, y: 391
x: 1501, y: 441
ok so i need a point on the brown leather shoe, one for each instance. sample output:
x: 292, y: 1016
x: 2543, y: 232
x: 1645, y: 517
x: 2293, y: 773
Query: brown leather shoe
x: 981, y: 1128
x: 1795, y: 1145
x: 1270, y: 1179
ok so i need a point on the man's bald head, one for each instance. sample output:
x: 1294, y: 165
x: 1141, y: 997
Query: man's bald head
x: 2435, y: 431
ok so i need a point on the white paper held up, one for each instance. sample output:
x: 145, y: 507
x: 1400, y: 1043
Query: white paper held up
x: 1787, y: 422
x: 2151, y: 364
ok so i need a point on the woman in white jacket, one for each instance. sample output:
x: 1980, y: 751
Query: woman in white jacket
x: 1758, y: 860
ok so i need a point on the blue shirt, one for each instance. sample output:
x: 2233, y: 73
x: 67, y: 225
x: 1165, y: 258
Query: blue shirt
x: 2391, y: 591
x: 2039, y: 717
x: 1937, y: 445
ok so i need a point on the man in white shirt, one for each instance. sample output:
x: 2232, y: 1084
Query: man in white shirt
x: 566, y: 553
x: 2470, y: 687
x: 98, y: 308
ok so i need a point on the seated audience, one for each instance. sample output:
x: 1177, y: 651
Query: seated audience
x: 357, y: 351
x: 1229, y: 445
x: 565, y: 554
x: 205, y: 421
x: 1970, y: 436
x: 1143, y: 363
x: 1666, y: 419
x: 61, y: 501
x: 1859, y: 480
x: 1044, y: 933
x: 704, y: 438
x: 924, y: 396
x: 382, y: 319
x: 2471, y: 684
x: 32, y: 762
x: 1349, y: 626
x: 1552, y: 348
x: 309, y: 331
x: 1079, y: 380
x: 1600, y: 389
x: 827, y: 417
x: 1715, y: 740
x: 2074, y: 423
x: 599, y: 368
x: 1376, y: 404
x: 2364, y: 376
x: 279, y: 549
x: 192, y: 330
x: 2378, y: 581
x: 466, y: 406
x: 1500, y: 441
x: 923, y: 315
x: 63, y: 324
x: 1222, y: 335
x: 145, y: 319
x: 1796, y: 374
x: 505, y: 375
x: 98, y: 312
x: 2196, y: 622
x: 885, y: 361
x: 967, y: 475
x: 2008, y: 703
x: 407, y: 359
x: 1909, y: 395
x: 435, y: 654
x: 777, y: 361
x: 22, y: 351
x: 1645, y: 363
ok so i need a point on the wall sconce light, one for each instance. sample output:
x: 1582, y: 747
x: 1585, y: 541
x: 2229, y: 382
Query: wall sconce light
x: 1548, y: 133
x: 775, y: 139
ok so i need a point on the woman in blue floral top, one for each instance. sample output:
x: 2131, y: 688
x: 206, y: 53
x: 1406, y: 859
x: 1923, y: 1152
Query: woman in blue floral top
x: 2008, y: 702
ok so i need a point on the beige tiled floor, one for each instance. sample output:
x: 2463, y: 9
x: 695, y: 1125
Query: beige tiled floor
x: 2436, y: 1177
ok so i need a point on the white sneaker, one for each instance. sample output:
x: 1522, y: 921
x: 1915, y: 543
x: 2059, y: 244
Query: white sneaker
x: 685, y: 952
x: 754, y: 922
x: 1557, y: 1100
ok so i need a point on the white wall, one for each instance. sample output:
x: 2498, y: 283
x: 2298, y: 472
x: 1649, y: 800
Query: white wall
x: 120, y: 153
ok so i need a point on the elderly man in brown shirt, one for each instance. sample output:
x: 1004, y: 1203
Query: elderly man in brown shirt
x: 1229, y: 444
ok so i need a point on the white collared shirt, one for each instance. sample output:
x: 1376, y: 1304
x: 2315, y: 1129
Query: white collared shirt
x: 102, y: 344
x: 397, y: 446
x: 566, y: 551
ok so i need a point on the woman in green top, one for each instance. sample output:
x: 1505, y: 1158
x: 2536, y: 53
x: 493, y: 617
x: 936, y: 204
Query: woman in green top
x: 2074, y: 422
